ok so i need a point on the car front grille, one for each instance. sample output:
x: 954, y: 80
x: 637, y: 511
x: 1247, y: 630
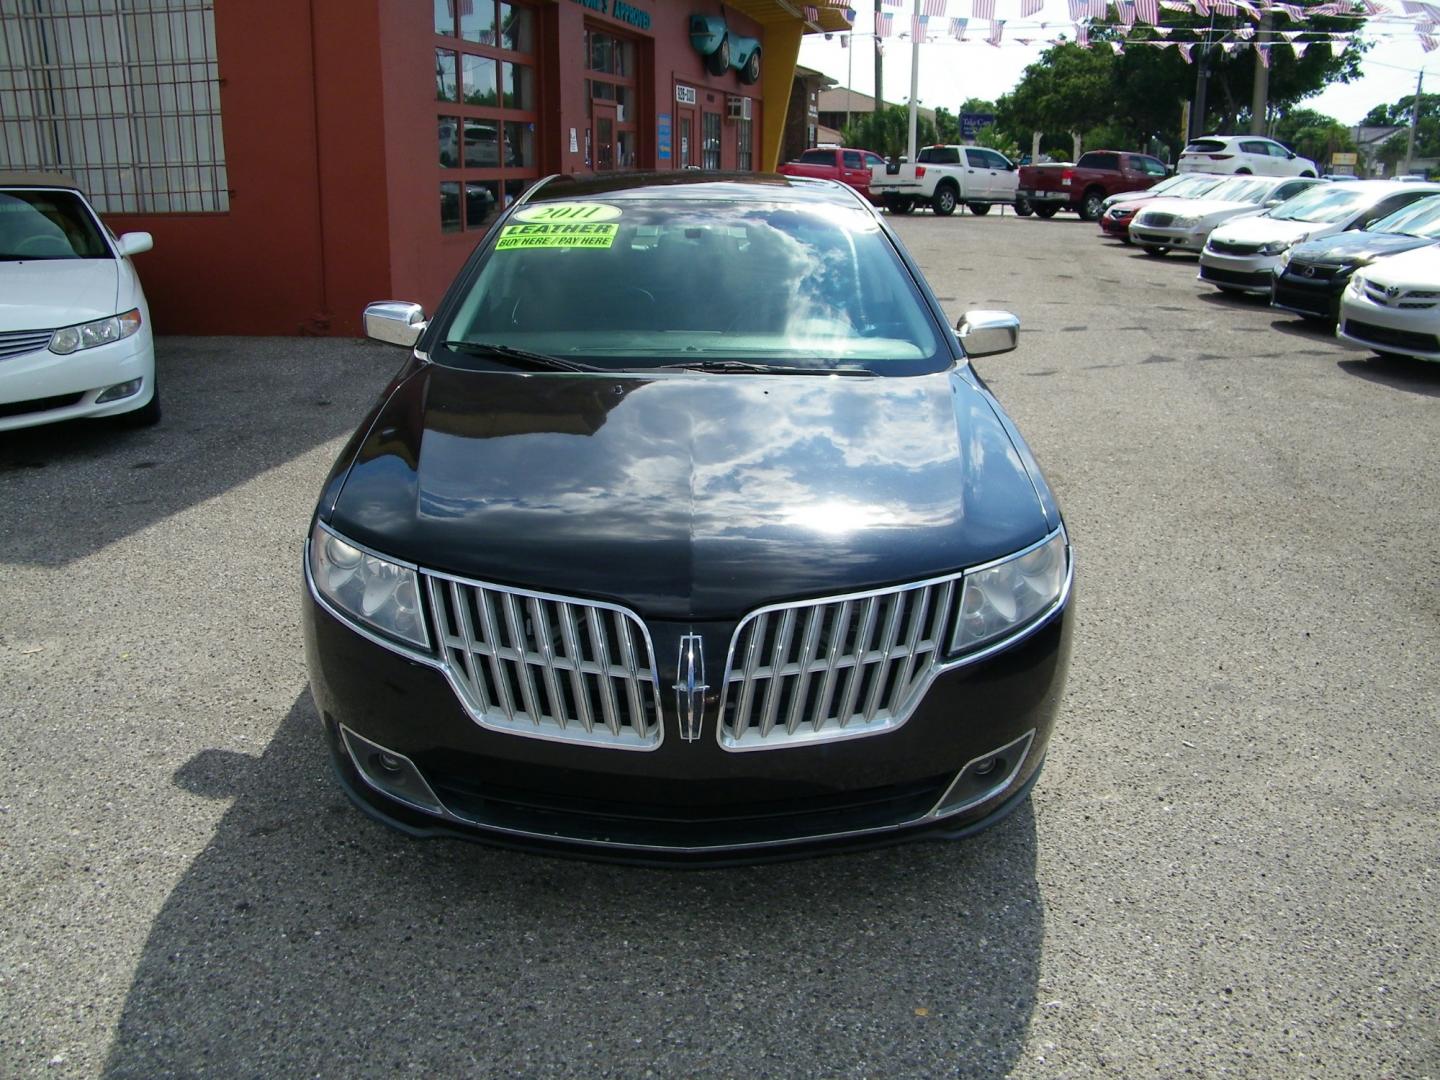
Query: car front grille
x: 36, y: 405
x: 834, y: 668
x: 1314, y: 271
x: 1402, y: 340
x: 1311, y: 298
x: 1250, y: 279
x: 1155, y: 221
x: 1401, y: 298
x: 548, y: 666
x: 1229, y: 247
x: 19, y: 342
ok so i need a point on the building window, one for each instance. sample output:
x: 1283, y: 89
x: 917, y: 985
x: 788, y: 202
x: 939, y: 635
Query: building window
x: 743, y: 159
x: 485, y: 72
x: 710, y: 141
x: 123, y: 97
x: 613, y: 138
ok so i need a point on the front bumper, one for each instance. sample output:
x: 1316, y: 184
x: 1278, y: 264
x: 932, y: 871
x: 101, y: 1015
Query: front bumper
x: 1192, y: 239
x: 1389, y: 330
x: 1117, y: 228
x: 963, y: 757
x: 1244, y: 273
x: 1315, y: 296
x: 41, y: 387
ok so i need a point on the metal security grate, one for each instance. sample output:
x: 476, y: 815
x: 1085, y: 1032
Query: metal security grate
x: 548, y: 666
x: 834, y: 668
x: 21, y: 342
x: 122, y: 95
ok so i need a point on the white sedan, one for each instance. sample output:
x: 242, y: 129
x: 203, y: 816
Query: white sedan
x: 1393, y: 305
x: 75, y: 336
x: 1242, y: 256
x: 1243, y: 154
x: 1184, y: 224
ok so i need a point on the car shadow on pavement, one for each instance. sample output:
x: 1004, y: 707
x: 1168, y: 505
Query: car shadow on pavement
x: 307, y: 939
x: 233, y: 408
x: 1397, y: 372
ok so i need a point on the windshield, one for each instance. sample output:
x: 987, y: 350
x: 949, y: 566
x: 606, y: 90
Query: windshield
x: 1191, y: 185
x: 647, y: 283
x: 1245, y: 189
x: 1324, y: 204
x: 1417, y: 219
x: 37, y: 225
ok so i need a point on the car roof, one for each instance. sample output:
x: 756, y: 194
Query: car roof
x: 694, y: 184
x: 37, y: 180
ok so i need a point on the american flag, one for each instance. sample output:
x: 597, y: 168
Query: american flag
x: 997, y: 27
x: 934, y: 8
x: 1185, y: 47
x: 1428, y: 43
x: 1262, y: 53
x: 883, y: 23
x: 1126, y: 10
x: 1202, y: 7
x: 1030, y: 7
x: 1294, y: 12
x: 983, y: 9
x: 1082, y: 35
x: 1222, y: 7
x: 1243, y: 33
x: 1097, y: 9
x: 1174, y: 5
x: 919, y: 27
x: 1117, y: 48
x: 894, y: 3
x: 957, y: 28
x: 1078, y: 9
x: 1147, y: 11
x: 811, y: 15
x: 1372, y: 8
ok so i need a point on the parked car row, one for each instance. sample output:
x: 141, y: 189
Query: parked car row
x: 1361, y: 256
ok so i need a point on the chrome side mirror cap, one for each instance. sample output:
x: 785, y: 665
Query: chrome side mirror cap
x: 986, y: 333
x: 394, y: 322
x: 133, y: 243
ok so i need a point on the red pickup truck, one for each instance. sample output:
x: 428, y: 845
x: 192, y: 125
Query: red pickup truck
x: 843, y: 163
x: 1083, y: 186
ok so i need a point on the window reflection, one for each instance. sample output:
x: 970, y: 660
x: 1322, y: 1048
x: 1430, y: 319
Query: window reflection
x: 517, y: 28
x: 519, y: 144
x: 482, y: 202
x: 477, y: 21
x: 482, y: 144
x: 449, y: 142
x: 445, y: 17
x: 449, y: 207
x: 445, y: 86
x: 519, y: 87
x: 480, y: 80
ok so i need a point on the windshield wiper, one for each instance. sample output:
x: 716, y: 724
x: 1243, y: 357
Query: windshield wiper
x: 522, y: 357
x: 745, y: 367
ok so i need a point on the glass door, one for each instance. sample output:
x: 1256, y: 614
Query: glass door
x: 602, y: 115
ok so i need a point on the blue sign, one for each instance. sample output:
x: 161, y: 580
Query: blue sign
x: 972, y: 122
x: 662, y: 136
x: 619, y: 9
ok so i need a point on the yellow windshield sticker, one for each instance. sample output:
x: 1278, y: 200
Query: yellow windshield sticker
x: 568, y: 211
x: 570, y: 234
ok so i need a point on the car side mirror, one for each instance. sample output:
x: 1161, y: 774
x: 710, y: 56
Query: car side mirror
x: 986, y: 333
x: 1270, y: 203
x: 395, y: 322
x: 133, y: 243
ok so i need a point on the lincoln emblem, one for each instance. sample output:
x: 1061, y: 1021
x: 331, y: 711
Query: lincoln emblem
x: 691, y: 687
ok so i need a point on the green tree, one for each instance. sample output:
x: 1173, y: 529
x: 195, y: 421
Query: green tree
x: 947, y: 126
x: 977, y: 105
x: 1399, y: 113
x: 887, y: 131
x: 996, y: 139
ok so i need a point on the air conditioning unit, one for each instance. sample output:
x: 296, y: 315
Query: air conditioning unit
x: 738, y: 107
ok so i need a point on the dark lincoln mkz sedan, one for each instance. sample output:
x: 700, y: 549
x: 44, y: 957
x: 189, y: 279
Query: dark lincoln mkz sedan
x: 687, y: 533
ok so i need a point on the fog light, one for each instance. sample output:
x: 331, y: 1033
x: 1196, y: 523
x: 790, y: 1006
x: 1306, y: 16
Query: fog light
x: 120, y: 390
x: 986, y: 767
x: 390, y: 773
x: 389, y: 762
x: 985, y: 777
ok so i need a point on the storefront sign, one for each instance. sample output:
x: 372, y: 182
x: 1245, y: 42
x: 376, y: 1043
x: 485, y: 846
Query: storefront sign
x: 662, y: 136
x: 619, y: 9
x: 685, y: 95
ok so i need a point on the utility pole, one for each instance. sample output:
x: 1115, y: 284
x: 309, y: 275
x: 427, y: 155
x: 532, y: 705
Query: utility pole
x: 879, y: 64
x: 1260, y: 97
x: 914, y: 81
x: 1202, y: 78
x: 849, y: 75
x: 1414, y: 121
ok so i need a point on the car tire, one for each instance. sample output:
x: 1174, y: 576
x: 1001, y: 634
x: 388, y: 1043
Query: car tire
x: 1023, y: 208
x: 1090, y: 205
x: 1242, y: 172
x: 718, y: 62
x: 750, y: 73
x: 1047, y: 212
x: 1307, y: 175
x: 1154, y: 250
x: 979, y: 209
x: 945, y: 200
x: 148, y: 415
x: 900, y: 206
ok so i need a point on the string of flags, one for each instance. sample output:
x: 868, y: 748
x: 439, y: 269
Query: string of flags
x: 936, y: 22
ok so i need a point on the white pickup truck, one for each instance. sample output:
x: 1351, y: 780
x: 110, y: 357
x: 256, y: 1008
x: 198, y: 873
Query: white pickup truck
x: 943, y: 177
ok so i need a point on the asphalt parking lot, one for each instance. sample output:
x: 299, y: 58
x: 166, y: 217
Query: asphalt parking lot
x: 1229, y: 868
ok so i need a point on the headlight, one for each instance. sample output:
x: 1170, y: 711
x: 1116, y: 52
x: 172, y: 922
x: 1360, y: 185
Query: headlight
x: 1185, y: 222
x: 1284, y: 260
x: 1357, y: 284
x: 376, y: 592
x: 1001, y: 598
x: 70, y: 339
x: 1276, y: 247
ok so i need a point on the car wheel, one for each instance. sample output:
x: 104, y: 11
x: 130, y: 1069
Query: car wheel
x: 944, y: 201
x: 1156, y: 251
x: 1090, y: 207
x: 148, y: 415
x: 1242, y: 172
x: 750, y: 73
x: 718, y: 62
x: 979, y: 209
x: 1023, y: 207
x: 1308, y: 175
x: 901, y: 206
x: 1046, y: 212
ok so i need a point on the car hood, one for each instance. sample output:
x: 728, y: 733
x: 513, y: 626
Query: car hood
x: 1350, y: 246
x: 1199, y: 207
x: 689, y: 495
x: 1262, y: 230
x: 42, y: 294
x: 1415, y: 269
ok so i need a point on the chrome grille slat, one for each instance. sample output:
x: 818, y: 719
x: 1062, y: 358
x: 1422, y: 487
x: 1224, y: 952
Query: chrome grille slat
x: 20, y: 342
x: 547, y: 666
x: 834, y: 667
